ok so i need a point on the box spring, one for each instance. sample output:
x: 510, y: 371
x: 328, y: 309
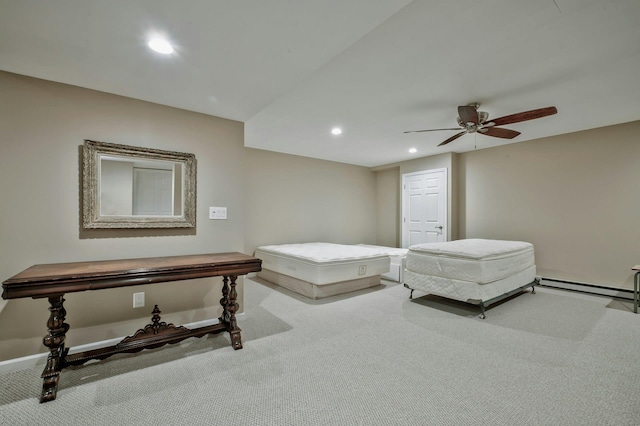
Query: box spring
x: 474, y: 270
x: 307, y: 267
x: 468, y: 291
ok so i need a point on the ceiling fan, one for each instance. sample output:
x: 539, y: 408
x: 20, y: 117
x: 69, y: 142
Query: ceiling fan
x: 471, y: 120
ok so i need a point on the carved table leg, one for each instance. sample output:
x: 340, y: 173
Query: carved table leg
x: 225, y: 300
x: 228, y: 302
x: 55, y: 342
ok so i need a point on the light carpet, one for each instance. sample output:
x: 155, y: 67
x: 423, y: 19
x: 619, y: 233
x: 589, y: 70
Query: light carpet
x: 373, y: 357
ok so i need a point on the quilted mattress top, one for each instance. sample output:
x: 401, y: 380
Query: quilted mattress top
x: 390, y: 251
x: 322, y: 252
x: 474, y: 248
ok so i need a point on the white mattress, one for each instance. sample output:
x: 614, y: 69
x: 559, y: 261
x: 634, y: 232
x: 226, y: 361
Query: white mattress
x: 389, y: 251
x: 475, y: 260
x: 323, y: 263
x: 398, y: 256
x: 467, y: 291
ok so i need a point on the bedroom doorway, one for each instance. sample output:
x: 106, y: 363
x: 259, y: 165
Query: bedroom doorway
x: 152, y: 192
x: 424, y: 207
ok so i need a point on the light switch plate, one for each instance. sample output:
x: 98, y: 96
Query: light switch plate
x: 138, y: 300
x: 217, y: 212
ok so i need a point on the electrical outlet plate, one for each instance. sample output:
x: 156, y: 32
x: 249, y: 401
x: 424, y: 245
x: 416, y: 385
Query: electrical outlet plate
x: 138, y: 300
x: 362, y: 270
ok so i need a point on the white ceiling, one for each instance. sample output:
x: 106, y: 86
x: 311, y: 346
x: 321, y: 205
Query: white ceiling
x: 293, y: 69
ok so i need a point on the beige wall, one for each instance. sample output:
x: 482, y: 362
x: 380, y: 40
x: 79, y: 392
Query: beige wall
x: 42, y: 126
x: 388, y: 206
x: 572, y: 196
x: 278, y: 198
x: 290, y: 199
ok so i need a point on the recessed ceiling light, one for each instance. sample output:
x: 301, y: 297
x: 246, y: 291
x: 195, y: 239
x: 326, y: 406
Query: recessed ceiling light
x: 413, y: 150
x: 160, y: 45
x: 336, y: 131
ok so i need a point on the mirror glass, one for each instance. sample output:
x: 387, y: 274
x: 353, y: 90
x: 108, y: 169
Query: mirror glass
x: 133, y: 187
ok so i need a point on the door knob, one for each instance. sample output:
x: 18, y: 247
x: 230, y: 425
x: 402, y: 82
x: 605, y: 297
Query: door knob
x: 439, y: 227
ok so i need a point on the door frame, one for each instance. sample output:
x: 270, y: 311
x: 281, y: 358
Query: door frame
x: 403, y: 212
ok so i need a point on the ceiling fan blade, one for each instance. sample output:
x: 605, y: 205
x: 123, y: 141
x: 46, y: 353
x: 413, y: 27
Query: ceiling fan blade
x: 452, y: 138
x: 524, y: 116
x: 431, y: 130
x: 468, y: 114
x: 499, y: 132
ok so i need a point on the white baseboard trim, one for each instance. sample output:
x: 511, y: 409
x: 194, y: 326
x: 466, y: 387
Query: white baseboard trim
x: 30, y: 361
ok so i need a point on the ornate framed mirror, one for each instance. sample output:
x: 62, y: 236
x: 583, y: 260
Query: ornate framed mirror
x: 133, y: 187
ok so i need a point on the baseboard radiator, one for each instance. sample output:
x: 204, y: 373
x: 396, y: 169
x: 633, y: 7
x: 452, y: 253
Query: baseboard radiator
x: 587, y: 288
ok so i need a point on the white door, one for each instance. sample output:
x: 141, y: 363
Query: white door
x: 424, y: 207
x: 152, y: 192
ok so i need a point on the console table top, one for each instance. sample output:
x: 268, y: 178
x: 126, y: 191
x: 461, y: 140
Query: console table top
x: 58, y: 278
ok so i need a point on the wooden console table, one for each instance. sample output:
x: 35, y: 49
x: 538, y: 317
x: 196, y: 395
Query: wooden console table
x: 54, y: 280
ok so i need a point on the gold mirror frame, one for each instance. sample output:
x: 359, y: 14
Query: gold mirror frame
x: 93, y: 219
